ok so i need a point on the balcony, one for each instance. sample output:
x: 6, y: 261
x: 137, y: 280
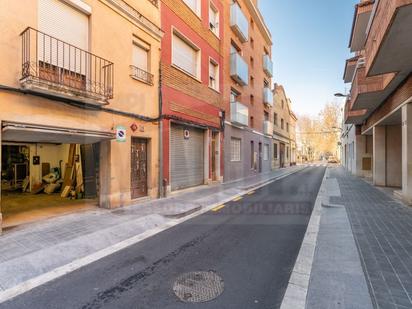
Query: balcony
x: 354, y: 117
x: 268, y: 65
x: 350, y: 68
x: 361, y: 18
x: 239, y: 113
x: 367, y: 92
x: 141, y: 75
x: 239, y: 22
x: 267, y: 127
x: 239, y: 70
x: 267, y: 96
x: 53, y: 67
x: 389, y: 44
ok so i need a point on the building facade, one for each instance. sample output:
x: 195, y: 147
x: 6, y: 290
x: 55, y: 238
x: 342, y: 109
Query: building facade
x: 284, y: 130
x: 192, y: 87
x: 248, y: 96
x: 378, y: 108
x: 79, y: 102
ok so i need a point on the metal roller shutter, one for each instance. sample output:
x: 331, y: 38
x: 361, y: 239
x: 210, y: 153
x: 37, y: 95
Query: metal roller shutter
x: 187, y: 157
x: 64, y: 22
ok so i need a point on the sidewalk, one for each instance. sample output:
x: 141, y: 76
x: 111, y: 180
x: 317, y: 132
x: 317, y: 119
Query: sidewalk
x: 363, y: 256
x: 38, y: 252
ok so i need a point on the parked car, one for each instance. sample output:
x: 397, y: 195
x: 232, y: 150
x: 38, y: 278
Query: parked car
x: 332, y: 159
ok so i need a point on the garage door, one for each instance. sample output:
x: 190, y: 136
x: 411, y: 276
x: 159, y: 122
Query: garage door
x: 187, y: 157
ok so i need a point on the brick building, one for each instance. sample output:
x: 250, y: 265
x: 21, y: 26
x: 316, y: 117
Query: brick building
x: 77, y: 73
x: 248, y: 96
x: 192, y: 86
x: 378, y: 114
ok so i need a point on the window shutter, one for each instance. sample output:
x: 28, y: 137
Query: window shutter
x: 184, y: 56
x: 63, y: 22
x: 140, y: 57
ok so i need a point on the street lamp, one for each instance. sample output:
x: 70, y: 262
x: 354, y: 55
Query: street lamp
x: 341, y: 95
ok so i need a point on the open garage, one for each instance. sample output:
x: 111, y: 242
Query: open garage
x: 48, y: 171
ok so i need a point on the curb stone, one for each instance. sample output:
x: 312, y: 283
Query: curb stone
x: 297, y: 289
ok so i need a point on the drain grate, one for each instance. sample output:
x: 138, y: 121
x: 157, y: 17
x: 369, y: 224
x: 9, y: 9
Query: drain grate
x: 198, y: 287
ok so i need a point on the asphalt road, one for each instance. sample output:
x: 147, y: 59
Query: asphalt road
x: 252, y: 244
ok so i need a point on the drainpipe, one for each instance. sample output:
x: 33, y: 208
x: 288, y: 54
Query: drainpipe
x: 160, y: 180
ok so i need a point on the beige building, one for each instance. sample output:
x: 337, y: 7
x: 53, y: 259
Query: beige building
x: 284, y: 130
x: 78, y: 105
x: 376, y: 140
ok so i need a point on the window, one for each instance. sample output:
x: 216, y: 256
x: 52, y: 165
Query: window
x: 186, y: 56
x: 266, y: 116
x: 283, y: 104
x: 252, y: 24
x: 140, y: 56
x: 287, y: 127
x: 213, y: 75
x: 194, y: 5
x: 252, y: 43
x: 252, y: 62
x: 214, y: 20
x: 275, y: 119
x: 287, y: 152
x: 252, y: 99
x: 252, y: 81
x: 235, y: 144
x: 265, y: 152
x: 275, y: 151
x: 265, y: 83
x: 234, y: 96
x: 252, y: 124
x: 282, y: 124
x: 140, y: 68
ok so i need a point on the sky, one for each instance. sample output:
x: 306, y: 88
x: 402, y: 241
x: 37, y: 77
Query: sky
x: 310, y: 46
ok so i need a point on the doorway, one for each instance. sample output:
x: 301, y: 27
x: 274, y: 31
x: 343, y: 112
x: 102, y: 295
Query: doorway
x: 282, y: 155
x: 215, y: 153
x: 138, y: 168
x: 260, y: 157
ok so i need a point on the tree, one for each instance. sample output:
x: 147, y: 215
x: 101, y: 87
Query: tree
x: 319, y: 136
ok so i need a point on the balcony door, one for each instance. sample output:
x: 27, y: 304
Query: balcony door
x: 62, y: 42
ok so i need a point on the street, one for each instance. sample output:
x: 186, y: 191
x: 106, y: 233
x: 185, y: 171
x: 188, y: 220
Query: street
x: 251, y: 244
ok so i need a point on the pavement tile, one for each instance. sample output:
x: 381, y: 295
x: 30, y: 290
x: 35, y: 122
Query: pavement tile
x: 382, y: 227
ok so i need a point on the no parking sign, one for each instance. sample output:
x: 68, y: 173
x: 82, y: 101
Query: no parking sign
x: 120, y: 134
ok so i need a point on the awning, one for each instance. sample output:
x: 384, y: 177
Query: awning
x: 30, y: 133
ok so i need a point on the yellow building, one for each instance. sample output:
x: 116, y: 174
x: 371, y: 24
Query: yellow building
x: 78, y: 105
x: 284, y: 130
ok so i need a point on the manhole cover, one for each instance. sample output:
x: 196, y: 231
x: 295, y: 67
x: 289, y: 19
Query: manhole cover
x: 198, y: 287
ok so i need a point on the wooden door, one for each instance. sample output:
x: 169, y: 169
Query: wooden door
x: 139, y: 168
x: 282, y: 155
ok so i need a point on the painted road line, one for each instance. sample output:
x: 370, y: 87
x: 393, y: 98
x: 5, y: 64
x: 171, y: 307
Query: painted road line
x: 218, y: 208
x: 251, y: 192
x: 237, y: 199
x: 58, y: 272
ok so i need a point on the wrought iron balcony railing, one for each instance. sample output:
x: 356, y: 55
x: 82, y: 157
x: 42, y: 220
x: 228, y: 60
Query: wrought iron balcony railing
x: 62, y: 68
x: 141, y: 75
